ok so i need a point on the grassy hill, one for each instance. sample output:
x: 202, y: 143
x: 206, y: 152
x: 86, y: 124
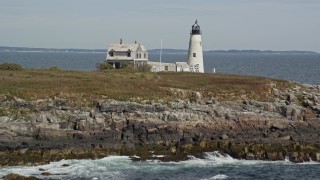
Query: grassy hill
x: 132, y: 85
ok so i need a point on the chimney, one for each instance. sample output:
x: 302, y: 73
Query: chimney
x: 120, y: 40
x: 135, y: 42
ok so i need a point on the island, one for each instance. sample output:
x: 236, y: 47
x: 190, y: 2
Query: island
x: 49, y: 114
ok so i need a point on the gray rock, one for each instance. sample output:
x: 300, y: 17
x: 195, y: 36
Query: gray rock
x: 212, y: 101
x: 21, y: 128
x: 276, y: 92
x: 41, y: 118
x: 159, y: 107
x: 285, y: 138
x: 177, y: 105
x: 265, y: 106
x: 23, y: 151
x: 224, y: 137
x: 308, y: 103
x: 4, y: 119
x: 250, y: 156
x: 113, y: 108
x: 65, y: 125
x: 52, y: 119
x: 73, y: 118
x: 291, y: 98
x: 227, y: 116
x: 99, y: 118
x: 318, y: 157
x: 65, y: 108
x: 172, y: 117
x: 195, y: 97
x: 209, y: 102
x: 316, y: 109
x: 20, y: 102
x: 294, y: 115
x: 287, y: 102
x: 277, y: 127
x: 54, y: 126
x: 284, y: 111
x: 152, y: 130
x: 7, y: 133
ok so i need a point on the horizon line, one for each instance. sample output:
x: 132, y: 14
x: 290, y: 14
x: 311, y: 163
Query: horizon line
x: 92, y: 49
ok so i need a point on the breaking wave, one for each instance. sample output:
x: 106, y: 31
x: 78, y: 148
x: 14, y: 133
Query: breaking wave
x: 210, y: 165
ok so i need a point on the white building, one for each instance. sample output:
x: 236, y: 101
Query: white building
x: 126, y: 53
x: 157, y: 66
x: 195, y: 54
x: 138, y: 54
x: 182, y: 67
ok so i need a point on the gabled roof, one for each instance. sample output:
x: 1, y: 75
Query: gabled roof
x: 126, y: 47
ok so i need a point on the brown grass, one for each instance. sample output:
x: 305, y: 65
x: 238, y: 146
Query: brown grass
x: 128, y: 84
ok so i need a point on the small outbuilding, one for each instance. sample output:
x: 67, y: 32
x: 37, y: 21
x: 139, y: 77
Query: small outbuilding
x: 182, y: 67
x: 156, y: 66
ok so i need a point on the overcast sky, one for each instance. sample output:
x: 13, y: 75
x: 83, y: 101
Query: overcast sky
x: 226, y: 24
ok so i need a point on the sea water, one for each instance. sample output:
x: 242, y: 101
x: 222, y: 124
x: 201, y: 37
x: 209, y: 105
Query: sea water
x: 212, y: 166
x: 303, y: 68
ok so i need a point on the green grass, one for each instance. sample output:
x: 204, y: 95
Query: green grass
x: 128, y: 84
x: 10, y: 67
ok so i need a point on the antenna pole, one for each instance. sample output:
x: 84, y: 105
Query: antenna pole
x: 160, y: 54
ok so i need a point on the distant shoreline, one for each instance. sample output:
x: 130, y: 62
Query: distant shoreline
x: 151, y: 51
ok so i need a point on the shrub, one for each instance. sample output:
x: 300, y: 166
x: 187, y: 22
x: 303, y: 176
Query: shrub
x: 103, y: 66
x: 127, y: 65
x: 10, y: 67
x: 54, y: 68
x: 143, y: 68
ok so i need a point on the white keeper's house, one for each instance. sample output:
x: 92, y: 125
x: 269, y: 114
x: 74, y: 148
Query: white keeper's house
x: 121, y: 53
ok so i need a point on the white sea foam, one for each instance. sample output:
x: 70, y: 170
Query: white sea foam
x: 286, y: 159
x: 219, y: 177
x: 158, y: 156
x: 309, y: 163
x: 216, y: 156
x: 106, y: 167
x: 120, y: 167
x: 135, y: 156
x: 217, y: 159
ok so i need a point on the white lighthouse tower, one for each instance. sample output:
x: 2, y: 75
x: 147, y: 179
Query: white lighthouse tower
x: 195, y: 59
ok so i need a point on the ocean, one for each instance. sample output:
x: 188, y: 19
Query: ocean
x: 213, y: 166
x: 303, y: 68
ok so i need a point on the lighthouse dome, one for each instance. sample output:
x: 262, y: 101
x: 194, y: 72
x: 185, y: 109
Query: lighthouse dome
x: 196, y: 28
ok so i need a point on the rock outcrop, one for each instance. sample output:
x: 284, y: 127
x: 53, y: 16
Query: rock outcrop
x: 52, y: 129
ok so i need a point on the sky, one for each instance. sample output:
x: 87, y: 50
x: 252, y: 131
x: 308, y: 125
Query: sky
x: 225, y: 24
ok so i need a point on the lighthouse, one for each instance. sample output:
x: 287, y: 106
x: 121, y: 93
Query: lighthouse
x: 195, y: 55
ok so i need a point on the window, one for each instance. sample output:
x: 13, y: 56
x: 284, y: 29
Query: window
x: 166, y: 68
x: 194, y: 55
x: 129, y: 53
x: 111, y: 53
x: 145, y: 55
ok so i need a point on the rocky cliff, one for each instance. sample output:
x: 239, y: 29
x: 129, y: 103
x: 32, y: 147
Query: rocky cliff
x: 44, y: 130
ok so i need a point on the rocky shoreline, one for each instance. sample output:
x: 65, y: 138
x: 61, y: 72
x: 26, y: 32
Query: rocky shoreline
x: 44, y: 130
